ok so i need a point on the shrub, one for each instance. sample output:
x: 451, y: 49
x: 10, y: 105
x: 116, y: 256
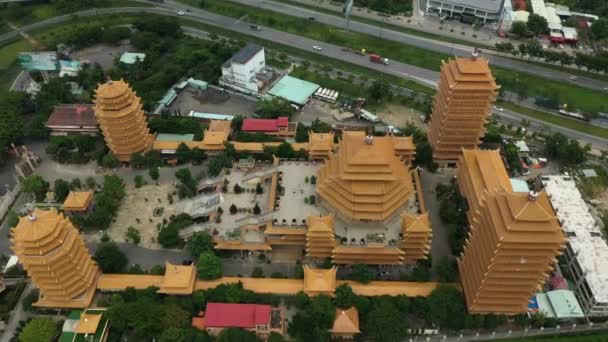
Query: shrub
x: 233, y: 209
x: 258, y: 272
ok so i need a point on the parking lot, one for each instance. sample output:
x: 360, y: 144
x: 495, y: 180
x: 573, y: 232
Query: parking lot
x: 212, y: 101
x: 102, y: 54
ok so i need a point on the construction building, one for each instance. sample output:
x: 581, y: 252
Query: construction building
x: 514, y: 238
x: 73, y: 119
x: 365, y: 179
x: 586, y: 255
x: 465, y: 95
x: 417, y: 235
x: 54, y: 255
x: 121, y: 117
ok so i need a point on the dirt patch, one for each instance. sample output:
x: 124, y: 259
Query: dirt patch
x: 102, y: 54
x: 135, y: 207
x: 400, y: 116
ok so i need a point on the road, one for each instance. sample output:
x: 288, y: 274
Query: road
x: 417, y: 74
x: 424, y: 43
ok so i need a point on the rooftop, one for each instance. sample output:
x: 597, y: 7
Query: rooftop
x: 132, y: 57
x: 319, y: 280
x: 264, y: 125
x: 178, y: 279
x: 174, y: 137
x: 228, y: 315
x: 78, y: 200
x: 211, y: 116
x: 561, y: 304
x: 72, y: 115
x: 582, y: 231
x: 39, y: 61
x: 346, y: 321
x: 293, y: 89
x: 88, y: 323
x: 246, y: 53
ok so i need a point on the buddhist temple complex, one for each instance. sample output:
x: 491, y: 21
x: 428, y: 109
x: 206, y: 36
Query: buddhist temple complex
x: 178, y: 279
x: 365, y: 179
x: 417, y: 236
x: 319, y: 281
x: 320, y: 145
x: 78, y: 202
x: 54, y: 255
x: 121, y: 118
x: 465, y: 94
x: 320, y: 239
x: 514, y: 237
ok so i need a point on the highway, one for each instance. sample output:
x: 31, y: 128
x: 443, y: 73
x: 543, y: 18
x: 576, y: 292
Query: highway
x: 425, y: 76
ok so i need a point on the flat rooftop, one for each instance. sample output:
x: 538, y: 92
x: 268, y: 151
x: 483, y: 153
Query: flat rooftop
x: 293, y: 89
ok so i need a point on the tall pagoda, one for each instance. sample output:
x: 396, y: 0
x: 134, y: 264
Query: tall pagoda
x: 54, y: 255
x: 514, y: 238
x: 121, y: 118
x: 417, y: 235
x: 366, y: 179
x: 465, y: 94
x: 320, y: 239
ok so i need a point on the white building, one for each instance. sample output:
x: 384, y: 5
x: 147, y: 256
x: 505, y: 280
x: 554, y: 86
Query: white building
x: 242, y: 70
x: 482, y: 10
x: 586, y: 254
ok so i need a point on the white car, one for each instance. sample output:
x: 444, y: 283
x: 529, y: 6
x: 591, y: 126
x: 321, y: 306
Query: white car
x: 499, y: 109
x: 316, y: 47
x: 180, y: 12
x: 572, y: 78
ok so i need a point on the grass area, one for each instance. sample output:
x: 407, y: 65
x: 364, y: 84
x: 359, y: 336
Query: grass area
x: 557, y: 120
x: 8, y: 76
x: 600, y: 337
x: 575, y: 96
x: 9, y: 52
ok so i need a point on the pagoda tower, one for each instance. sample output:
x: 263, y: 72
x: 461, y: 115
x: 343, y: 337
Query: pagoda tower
x: 54, y: 255
x: 514, y: 237
x: 120, y: 115
x: 465, y: 94
x: 366, y: 179
x: 320, y: 239
x: 417, y: 236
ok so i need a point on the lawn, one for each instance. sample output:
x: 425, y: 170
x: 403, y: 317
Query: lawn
x: 576, y: 97
x: 9, y: 52
x: 557, y: 120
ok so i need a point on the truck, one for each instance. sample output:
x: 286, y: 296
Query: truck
x: 378, y: 59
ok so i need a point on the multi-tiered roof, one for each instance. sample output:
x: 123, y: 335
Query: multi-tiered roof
x: 121, y: 118
x: 465, y: 94
x: 417, y: 236
x: 320, y: 239
x: 54, y: 255
x: 514, y: 238
x: 365, y: 179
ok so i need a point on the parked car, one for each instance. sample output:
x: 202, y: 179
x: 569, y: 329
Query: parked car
x: 255, y: 27
x: 496, y: 108
x: 180, y: 12
x: 316, y: 47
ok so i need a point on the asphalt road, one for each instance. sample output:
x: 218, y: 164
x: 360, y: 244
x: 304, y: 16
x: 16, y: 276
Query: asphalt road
x: 420, y: 75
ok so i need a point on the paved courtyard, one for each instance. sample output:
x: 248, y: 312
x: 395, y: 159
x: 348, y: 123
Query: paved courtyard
x: 291, y: 204
x: 102, y: 54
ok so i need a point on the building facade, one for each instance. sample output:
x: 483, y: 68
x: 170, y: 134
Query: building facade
x: 120, y: 115
x: 514, y: 238
x: 586, y: 256
x: 260, y: 319
x: 73, y: 119
x: 465, y: 94
x: 467, y: 10
x: 279, y: 127
x: 54, y: 255
x: 240, y: 72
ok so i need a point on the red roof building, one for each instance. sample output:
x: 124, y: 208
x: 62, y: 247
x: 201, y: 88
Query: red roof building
x: 280, y: 126
x: 73, y: 119
x: 261, y: 319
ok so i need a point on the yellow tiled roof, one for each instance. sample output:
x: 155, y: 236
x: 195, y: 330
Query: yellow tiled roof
x: 178, y: 279
x: 88, y: 323
x: 78, y: 200
x: 346, y: 321
x: 415, y: 223
x: 319, y: 280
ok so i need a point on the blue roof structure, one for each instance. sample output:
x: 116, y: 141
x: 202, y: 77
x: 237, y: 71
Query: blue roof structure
x: 132, y: 57
x: 210, y: 116
x: 294, y: 89
x: 519, y: 185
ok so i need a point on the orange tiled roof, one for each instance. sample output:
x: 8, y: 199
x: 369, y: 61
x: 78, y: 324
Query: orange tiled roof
x: 346, y: 321
x: 88, y: 323
x: 78, y: 200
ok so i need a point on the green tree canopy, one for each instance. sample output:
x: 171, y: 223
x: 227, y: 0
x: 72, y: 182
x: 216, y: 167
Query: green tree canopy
x: 537, y: 24
x: 519, y: 29
x: 209, y: 266
x: 362, y: 273
x: 273, y: 108
x: 599, y: 29
x: 385, y: 322
x: 237, y: 334
x: 38, y: 329
x: 198, y: 243
x: 35, y: 185
x: 62, y: 189
x: 109, y: 258
x: 447, y: 308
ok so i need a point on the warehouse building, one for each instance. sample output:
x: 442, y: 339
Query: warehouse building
x: 467, y: 10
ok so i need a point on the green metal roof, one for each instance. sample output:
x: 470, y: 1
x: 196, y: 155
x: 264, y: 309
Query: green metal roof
x: 174, y: 137
x: 132, y: 57
x: 565, y: 304
x: 168, y: 98
x: 211, y: 116
x: 197, y: 83
x: 519, y: 185
x: 67, y: 336
x: 38, y: 61
x: 293, y: 89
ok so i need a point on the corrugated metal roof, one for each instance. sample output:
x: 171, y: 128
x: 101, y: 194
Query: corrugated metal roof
x: 132, y: 57
x: 174, y: 137
x: 244, y: 54
x: 294, y: 89
x: 211, y: 116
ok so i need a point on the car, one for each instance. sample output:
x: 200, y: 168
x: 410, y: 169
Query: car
x: 316, y: 47
x: 496, y: 108
x: 572, y: 78
x: 255, y: 28
x: 180, y: 12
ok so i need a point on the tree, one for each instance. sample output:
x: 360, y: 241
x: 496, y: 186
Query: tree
x: 38, y: 329
x: 285, y: 150
x: 75, y: 184
x: 90, y: 182
x: 199, y: 243
x: 257, y: 210
x: 385, y: 322
x: 273, y: 108
x: 35, y: 185
x: 237, y: 189
x: 379, y: 91
x: 301, y: 133
x: 209, y: 266
x: 138, y: 161
x: 183, y: 153
x: 233, y: 209
x: 110, y: 161
x: 257, y: 272
x: 446, y: 308
x: 139, y: 181
x: 11, y: 121
x: 236, y: 334
x: 154, y: 173
x: 599, y: 29
x: 258, y: 189
x: 519, y: 29
x: 537, y: 24
x: 197, y: 155
x: 109, y: 258
x: 62, y: 189
x: 312, y: 322
x: 133, y: 235
x: 362, y: 273
x: 345, y: 297
x: 511, y: 153
x: 523, y: 49
x: 275, y: 337
x: 447, y: 270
